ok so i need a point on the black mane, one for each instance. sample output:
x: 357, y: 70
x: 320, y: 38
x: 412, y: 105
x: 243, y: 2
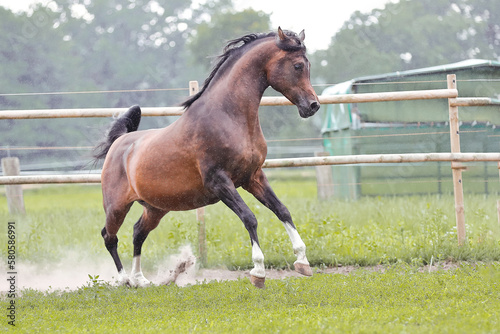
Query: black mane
x: 235, y: 45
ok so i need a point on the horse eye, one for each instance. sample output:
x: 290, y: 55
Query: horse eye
x: 298, y: 66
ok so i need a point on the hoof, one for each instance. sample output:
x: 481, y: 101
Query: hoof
x: 123, y: 279
x: 303, y: 269
x: 139, y: 281
x: 124, y: 282
x: 180, y: 268
x: 258, y: 282
x: 142, y: 283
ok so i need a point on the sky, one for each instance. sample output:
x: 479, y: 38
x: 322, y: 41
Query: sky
x: 321, y: 19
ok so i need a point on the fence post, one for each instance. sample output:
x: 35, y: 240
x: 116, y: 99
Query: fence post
x: 456, y: 166
x: 498, y: 201
x: 324, y: 179
x: 193, y: 88
x: 14, y: 193
x: 200, y: 212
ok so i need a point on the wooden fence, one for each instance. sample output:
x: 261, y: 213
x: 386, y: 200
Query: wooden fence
x: 266, y: 101
x: 455, y: 156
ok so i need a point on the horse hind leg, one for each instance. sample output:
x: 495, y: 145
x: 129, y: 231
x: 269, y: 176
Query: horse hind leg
x: 149, y: 221
x: 114, y: 220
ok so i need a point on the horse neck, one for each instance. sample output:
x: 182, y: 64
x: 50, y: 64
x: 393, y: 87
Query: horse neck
x: 246, y: 80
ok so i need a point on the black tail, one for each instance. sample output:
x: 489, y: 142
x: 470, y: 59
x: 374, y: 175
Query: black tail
x: 127, y: 122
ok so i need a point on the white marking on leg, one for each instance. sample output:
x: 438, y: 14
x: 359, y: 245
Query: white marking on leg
x: 123, y: 278
x: 299, y: 248
x: 136, y: 265
x: 137, y: 278
x: 258, y: 262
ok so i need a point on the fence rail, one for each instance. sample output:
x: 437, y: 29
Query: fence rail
x: 266, y: 101
x: 277, y: 163
x: 86, y: 112
x: 473, y: 102
x: 381, y: 158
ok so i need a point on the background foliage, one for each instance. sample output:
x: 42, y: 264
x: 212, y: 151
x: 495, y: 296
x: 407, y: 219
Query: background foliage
x: 100, y: 45
x: 411, y: 34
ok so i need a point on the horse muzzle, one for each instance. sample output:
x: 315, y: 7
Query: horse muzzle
x: 309, y: 109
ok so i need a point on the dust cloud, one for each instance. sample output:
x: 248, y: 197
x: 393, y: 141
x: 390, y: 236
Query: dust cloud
x: 72, y: 272
x: 179, y: 268
x: 69, y: 273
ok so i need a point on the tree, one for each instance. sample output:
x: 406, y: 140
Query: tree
x: 411, y: 34
x: 136, y: 45
x: 225, y: 24
x: 35, y: 57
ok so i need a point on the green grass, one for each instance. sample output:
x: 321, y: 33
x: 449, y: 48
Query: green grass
x: 366, y: 232
x: 401, y: 232
x: 466, y: 300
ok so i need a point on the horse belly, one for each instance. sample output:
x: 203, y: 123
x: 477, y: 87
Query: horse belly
x: 178, y: 199
x: 170, y: 185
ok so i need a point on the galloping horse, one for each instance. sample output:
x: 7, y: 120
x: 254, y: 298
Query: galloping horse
x: 216, y: 146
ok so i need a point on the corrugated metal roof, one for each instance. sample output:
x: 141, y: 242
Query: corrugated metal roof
x: 346, y: 87
x: 470, y: 63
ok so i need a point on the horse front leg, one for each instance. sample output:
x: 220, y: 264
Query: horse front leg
x: 222, y: 186
x: 259, y: 187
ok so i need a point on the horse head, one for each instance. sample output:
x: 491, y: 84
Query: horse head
x: 288, y: 72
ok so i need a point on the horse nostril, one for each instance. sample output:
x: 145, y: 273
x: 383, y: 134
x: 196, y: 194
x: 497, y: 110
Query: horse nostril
x: 315, y: 106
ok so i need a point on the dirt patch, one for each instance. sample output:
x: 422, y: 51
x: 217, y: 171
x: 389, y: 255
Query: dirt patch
x: 72, y: 272
x: 65, y: 278
x: 207, y: 275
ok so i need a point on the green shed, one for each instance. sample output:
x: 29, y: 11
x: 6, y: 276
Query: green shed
x: 413, y: 127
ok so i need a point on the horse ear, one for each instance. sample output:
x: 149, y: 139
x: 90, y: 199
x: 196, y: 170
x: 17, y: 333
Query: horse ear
x: 281, y: 35
x: 302, y: 35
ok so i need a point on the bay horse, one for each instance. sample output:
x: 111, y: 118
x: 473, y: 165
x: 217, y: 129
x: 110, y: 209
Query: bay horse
x: 216, y: 146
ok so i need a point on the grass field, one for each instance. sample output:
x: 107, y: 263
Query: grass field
x: 466, y: 300
x: 366, y: 232
x: 402, y: 233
